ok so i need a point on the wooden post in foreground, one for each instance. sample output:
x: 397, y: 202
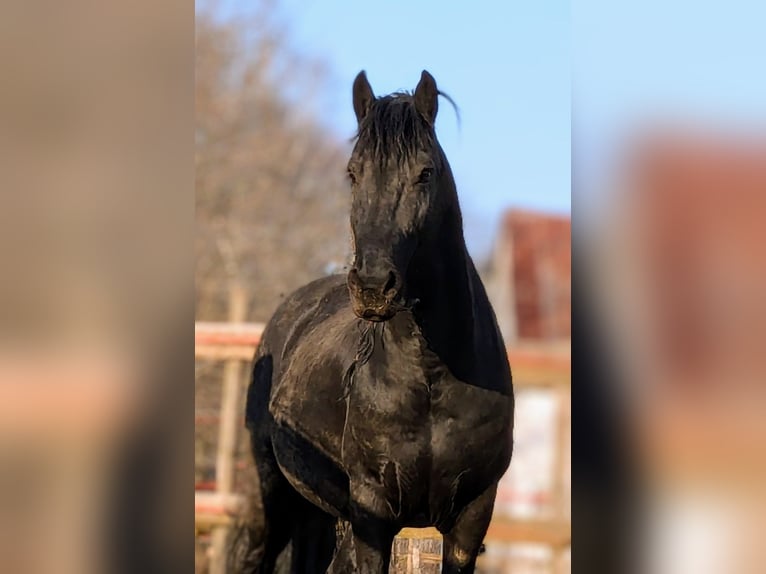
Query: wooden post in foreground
x: 417, y: 551
x: 227, y: 430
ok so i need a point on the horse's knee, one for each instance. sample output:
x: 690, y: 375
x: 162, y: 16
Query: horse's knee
x: 458, y: 559
x: 460, y: 556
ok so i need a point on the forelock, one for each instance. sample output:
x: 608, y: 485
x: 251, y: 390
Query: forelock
x: 394, y: 130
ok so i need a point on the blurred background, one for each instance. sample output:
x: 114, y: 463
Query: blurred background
x: 96, y: 287
x: 659, y: 124
x: 273, y: 133
x: 669, y: 188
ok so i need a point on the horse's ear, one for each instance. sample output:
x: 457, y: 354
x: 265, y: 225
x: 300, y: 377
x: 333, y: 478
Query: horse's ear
x: 427, y: 97
x: 362, y: 96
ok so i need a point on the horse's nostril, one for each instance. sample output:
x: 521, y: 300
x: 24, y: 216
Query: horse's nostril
x: 391, y: 283
x: 353, y: 277
x: 374, y: 287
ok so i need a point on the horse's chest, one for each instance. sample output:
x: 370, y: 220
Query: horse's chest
x: 386, y: 438
x: 410, y: 440
x: 388, y: 417
x: 421, y: 439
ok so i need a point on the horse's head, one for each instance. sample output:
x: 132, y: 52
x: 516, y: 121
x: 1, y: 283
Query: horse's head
x: 396, y: 170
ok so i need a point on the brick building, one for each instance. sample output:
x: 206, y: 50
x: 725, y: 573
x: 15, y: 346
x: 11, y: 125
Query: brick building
x: 530, y: 277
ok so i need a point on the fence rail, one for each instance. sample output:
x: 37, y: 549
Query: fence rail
x: 533, y: 365
x: 215, y: 509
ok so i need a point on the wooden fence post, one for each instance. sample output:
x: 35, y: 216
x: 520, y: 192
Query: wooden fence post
x: 561, y: 501
x: 227, y: 430
x: 417, y: 551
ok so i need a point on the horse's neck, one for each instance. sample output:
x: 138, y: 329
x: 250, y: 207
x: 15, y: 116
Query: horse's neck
x: 444, y: 286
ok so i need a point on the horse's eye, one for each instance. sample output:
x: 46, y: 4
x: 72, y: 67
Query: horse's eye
x: 425, y: 175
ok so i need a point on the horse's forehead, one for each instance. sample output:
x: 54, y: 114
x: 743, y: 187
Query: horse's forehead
x: 394, y: 160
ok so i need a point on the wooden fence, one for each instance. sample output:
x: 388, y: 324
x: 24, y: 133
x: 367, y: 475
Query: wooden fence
x: 534, y: 367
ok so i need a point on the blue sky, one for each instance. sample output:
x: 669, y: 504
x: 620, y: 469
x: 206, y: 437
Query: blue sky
x: 693, y: 62
x: 506, y: 65
x: 524, y: 72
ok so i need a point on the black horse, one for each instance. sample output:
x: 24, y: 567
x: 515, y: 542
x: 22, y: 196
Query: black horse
x: 383, y: 399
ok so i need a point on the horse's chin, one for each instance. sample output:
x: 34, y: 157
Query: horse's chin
x: 378, y: 318
x: 374, y: 314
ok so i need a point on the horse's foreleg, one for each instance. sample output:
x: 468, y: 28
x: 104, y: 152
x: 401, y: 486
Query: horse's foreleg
x: 313, y: 540
x: 270, y: 519
x: 462, y: 543
x: 364, y: 549
x: 268, y: 528
x: 372, y: 546
x: 365, y: 546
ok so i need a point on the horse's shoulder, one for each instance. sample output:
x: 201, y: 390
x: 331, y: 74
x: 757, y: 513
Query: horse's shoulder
x: 309, y: 329
x: 301, y: 306
x: 325, y: 290
x: 314, y: 347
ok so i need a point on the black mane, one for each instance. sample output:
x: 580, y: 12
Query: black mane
x: 394, y: 128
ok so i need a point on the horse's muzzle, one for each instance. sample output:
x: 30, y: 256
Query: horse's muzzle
x: 374, y: 300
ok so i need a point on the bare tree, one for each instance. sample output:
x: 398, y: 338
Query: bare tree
x: 271, y: 196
